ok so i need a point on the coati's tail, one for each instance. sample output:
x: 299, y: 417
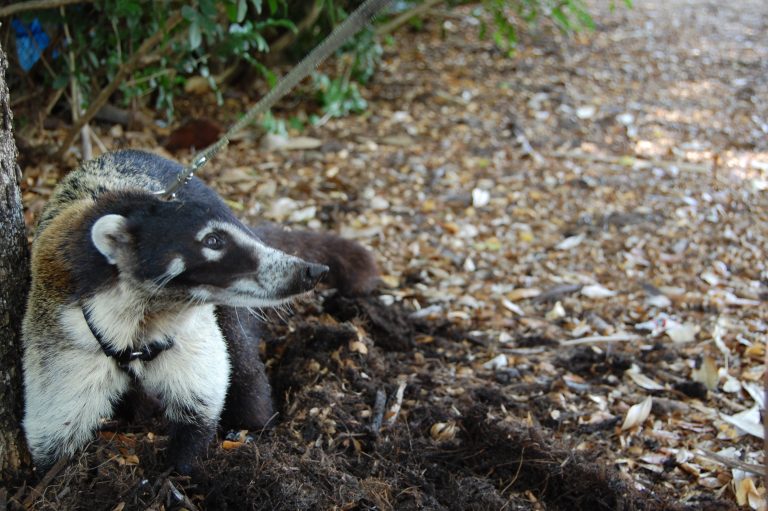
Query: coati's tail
x: 353, y: 269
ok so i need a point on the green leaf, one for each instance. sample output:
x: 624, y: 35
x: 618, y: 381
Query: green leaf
x: 256, y: 5
x: 296, y: 123
x: 207, y: 8
x: 269, y: 76
x: 195, y: 36
x: 189, y: 13
x: 242, y: 9
x: 60, y: 81
x: 231, y: 12
x: 560, y: 18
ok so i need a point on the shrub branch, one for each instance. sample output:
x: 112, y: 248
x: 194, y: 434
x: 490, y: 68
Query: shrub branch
x: 125, y: 70
x: 36, y: 5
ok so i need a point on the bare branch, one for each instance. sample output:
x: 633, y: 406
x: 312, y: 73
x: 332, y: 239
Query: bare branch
x: 125, y: 70
x: 289, y: 37
x: 37, y: 5
x: 403, y: 18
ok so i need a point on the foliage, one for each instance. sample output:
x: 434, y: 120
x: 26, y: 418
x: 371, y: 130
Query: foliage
x: 567, y: 15
x: 92, y: 41
x: 215, y: 34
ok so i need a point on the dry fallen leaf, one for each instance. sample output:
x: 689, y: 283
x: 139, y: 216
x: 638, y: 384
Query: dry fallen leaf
x: 637, y: 414
x: 557, y: 312
x: 597, y: 291
x: 746, y: 491
x: 681, y: 333
x: 523, y: 293
x: 571, y: 242
x: 748, y: 421
x: 443, y: 431
x: 642, y: 380
x: 231, y: 444
x: 497, y: 362
x: 707, y: 374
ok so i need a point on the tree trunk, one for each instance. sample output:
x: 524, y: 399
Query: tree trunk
x: 14, y: 284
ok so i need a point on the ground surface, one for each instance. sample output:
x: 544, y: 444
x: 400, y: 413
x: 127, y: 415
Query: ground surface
x: 565, y: 233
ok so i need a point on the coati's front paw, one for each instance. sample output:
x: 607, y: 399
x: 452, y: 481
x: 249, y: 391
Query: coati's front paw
x: 183, y: 468
x: 188, y: 441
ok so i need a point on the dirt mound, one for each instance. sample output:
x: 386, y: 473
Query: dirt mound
x: 372, y: 416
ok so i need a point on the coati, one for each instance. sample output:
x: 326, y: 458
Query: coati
x: 129, y: 289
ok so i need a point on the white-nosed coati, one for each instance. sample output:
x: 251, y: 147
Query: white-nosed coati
x: 129, y: 289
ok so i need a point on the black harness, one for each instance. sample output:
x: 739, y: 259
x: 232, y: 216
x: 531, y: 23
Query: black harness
x: 145, y: 353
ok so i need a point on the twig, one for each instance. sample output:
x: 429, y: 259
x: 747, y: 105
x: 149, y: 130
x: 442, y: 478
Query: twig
x: 403, y: 18
x: 85, y: 138
x: 631, y: 161
x: 52, y: 102
x: 37, y: 5
x: 75, y: 94
x: 394, y: 410
x: 378, y: 411
x: 617, y: 337
x: 732, y: 462
x: 289, y: 37
x: 25, y: 97
x: 730, y: 403
x: 44, y: 482
x: 174, y: 497
x: 553, y: 293
x: 122, y: 73
x: 99, y: 142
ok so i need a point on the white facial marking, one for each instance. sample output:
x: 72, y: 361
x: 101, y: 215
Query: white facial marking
x: 205, y: 231
x: 201, y: 294
x: 176, y: 267
x: 212, y: 255
x: 107, y: 234
x: 240, y: 237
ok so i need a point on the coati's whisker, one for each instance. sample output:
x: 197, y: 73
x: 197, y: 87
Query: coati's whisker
x: 239, y: 323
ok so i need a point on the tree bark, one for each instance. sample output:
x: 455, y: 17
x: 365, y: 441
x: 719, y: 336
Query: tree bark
x: 14, y: 284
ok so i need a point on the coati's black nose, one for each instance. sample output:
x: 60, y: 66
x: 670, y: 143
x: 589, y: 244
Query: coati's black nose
x: 314, y: 273
x: 305, y: 278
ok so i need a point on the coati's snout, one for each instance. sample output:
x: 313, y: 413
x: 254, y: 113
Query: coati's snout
x: 307, y: 279
x: 183, y: 250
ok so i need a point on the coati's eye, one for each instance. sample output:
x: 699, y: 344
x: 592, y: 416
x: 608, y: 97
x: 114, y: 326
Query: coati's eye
x: 214, y: 241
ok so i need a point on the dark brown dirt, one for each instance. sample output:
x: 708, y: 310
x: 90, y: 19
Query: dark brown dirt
x: 325, y: 453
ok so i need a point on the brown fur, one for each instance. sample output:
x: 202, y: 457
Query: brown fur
x: 48, y: 265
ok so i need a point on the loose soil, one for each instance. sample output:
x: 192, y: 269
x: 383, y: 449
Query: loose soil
x: 327, y: 453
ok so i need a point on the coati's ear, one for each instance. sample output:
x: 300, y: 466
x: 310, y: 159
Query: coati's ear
x: 109, y: 235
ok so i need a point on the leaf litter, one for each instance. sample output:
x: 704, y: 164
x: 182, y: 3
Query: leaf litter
x: 573, y: 241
